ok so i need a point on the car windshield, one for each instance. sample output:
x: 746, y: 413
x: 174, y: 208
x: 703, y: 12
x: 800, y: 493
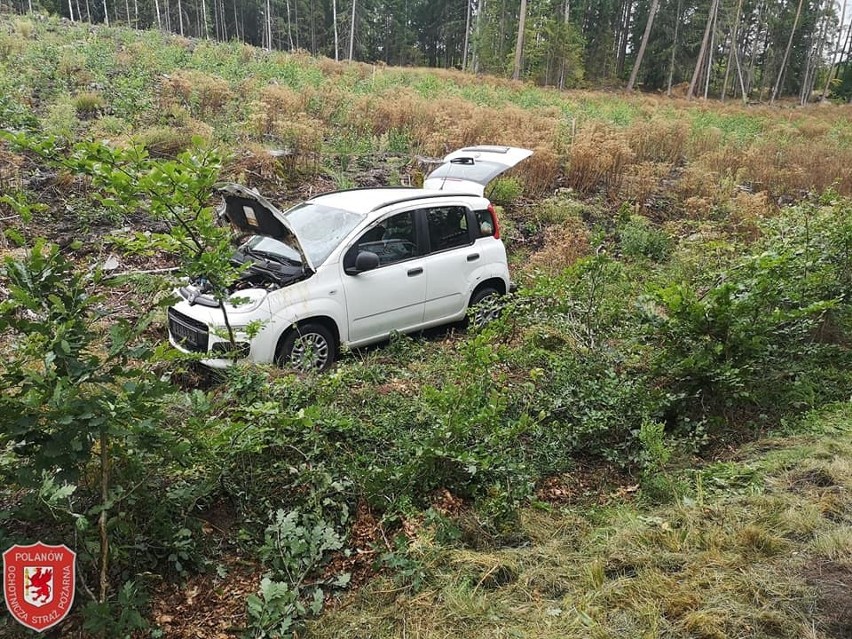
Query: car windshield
x: 320, y: 228
x: 270, y: 248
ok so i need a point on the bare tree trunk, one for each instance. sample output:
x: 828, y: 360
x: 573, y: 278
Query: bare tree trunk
x: 289, y: 28
x: 352, y: 32
x: 480, y: 8
x: 566, y: 14
x: 703, y: 51
x: 783, y: 68
x: 743, y: 91
x: 654, y: 6
x: 269, y: 25
x: 710, y: 52
x: 815, y: 55
x: 204, y: 19
x: 674, y: 48
x: 519, y: 43
x: 296, y: 21
x: 336, y: 41
x: 157, y: 9
x: 466, y: 37
x: 127, y: 10
x: 106, y: 14
x: 70, y: 11
x: 734, y: 46
x: 835, y: 59
x: 180, y: 17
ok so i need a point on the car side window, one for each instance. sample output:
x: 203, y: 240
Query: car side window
x: 394, y: 239
x: 485, y: 223
x: 448, y: 227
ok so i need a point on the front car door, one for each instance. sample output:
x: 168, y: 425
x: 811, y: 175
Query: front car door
x: 391, y: 296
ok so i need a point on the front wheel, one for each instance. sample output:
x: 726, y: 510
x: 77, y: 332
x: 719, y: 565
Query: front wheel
x: 486, y: 306
x: 308, y: 347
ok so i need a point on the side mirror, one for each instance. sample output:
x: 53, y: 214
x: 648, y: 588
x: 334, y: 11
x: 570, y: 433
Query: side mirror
x: 366, y: 261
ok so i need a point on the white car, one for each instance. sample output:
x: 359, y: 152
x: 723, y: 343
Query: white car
x: 348, y: 268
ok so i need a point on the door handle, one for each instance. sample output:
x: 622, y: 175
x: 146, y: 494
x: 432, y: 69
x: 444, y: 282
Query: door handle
x: 473, y: 257
x: 415, y: 271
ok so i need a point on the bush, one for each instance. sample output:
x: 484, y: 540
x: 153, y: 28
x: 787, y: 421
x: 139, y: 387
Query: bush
x: 638, y: 239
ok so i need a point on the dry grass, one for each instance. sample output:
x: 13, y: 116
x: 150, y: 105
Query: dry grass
x: 739, y: 564
x: 598, y: 159
x: 203, y: 94
x: 564, y: 244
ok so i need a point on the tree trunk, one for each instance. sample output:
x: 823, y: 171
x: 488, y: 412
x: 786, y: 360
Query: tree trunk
x: 466, y: 37
x: 157, y: 9
x: 106, y: 14
x: 519, y: 43
x: 710, y: 52
x: 352, y: 31
x: 703, y: 51
x: 783, y: 68
x: 654, y: 6
x: 204, y: 18
x: 816, y: 54
x: 70, y: 11
x: 336, y: 41
x: 289, y: 28
x: 835, y: 60
x: 269, y: 25
x: 734, y: 45
x: 674, y: 48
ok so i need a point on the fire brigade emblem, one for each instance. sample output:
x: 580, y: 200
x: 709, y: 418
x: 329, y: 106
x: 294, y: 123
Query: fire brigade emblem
x: 38, y: 584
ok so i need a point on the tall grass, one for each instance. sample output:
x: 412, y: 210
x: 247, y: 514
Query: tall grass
x: 623, y: 147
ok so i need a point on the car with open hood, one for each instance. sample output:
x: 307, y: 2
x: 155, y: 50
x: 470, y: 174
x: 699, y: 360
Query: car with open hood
x: 350, y: 267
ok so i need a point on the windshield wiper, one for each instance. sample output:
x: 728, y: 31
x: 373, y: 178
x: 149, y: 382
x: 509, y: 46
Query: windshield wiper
x: 269, y: 255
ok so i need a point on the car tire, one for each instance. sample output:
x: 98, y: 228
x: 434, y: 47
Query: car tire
x: 307, y: 347
x: 485, y: 305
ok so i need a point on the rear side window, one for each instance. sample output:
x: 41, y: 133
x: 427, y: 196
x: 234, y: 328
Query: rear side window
x: 448, y: 227
x: 484, y: 223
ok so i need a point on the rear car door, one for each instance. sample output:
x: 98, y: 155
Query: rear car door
x: 451, y: 262
x: 390, y: 297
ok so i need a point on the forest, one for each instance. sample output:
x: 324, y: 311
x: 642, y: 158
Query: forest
x: 753, y: 50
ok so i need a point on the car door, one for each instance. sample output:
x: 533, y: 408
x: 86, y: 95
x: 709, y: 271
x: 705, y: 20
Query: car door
x: 451, y: 262
x: 391, y: 296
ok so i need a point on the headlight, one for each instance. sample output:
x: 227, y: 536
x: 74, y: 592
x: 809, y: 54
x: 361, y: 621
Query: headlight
x: 246, y: 301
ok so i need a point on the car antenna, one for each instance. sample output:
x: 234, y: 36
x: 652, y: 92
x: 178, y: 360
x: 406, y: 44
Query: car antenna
x: 466, y: 161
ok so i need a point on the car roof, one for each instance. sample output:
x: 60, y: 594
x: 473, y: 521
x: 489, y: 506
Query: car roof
x: 368, y: 200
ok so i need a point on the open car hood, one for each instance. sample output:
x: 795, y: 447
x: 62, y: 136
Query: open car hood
x: 252, y: 214
x: 469, y: 170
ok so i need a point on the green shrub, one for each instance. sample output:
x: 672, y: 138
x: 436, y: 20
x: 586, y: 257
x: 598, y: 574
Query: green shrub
x: 505, y: 190
x: 639, y: 239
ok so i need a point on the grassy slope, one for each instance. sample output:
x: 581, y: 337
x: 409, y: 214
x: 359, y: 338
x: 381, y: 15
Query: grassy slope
x: 759, y: 545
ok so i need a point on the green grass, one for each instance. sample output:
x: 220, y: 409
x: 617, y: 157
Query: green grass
x: 739, y: 560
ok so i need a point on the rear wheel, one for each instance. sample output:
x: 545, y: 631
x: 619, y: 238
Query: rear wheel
x: 307, y: 347
x: 486, y: 306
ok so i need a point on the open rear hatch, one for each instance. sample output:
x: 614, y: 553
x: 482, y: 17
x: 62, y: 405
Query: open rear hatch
x: 469, y: 170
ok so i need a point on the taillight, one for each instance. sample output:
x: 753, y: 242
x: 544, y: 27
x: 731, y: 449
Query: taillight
x: 494, y: 221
